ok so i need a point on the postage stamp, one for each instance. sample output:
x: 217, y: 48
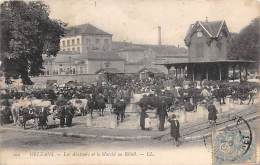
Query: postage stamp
x: 236, y: 145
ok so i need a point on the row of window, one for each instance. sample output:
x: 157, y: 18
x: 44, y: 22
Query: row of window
x: 70, y: 43
x: 73, y: 49
x: 66, y: 71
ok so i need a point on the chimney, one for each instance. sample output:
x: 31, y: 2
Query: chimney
x: 206, y: 19
x: 159, y: 36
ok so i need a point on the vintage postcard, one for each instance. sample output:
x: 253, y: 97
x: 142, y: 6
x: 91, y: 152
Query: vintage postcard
x: 130, y: 82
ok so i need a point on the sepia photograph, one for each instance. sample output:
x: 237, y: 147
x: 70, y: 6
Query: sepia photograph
x: 129, y: 82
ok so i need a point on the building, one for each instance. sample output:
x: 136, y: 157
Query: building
x: 84, y: 38
x: 84, y: 50
x: 208, y: 44
x: 77, y: 63
x: 138, y: 56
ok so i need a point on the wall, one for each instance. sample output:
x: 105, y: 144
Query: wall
x: 199, y: 50
x: 56, y: 67
x: 89, y: 42
x: 132, y: 56
x: 95, y: 65
x: 61, y: 79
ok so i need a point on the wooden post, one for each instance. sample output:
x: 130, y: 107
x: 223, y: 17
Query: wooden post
x: 234, y: 72
x: 207, y: 72
x: 240, y: 75
x: 193, y: 76
x: 246, y: 72
x: 176, y: 72
x: 220, y: 75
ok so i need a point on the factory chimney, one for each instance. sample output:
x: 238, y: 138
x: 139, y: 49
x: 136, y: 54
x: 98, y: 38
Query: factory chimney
x: 159, y: 36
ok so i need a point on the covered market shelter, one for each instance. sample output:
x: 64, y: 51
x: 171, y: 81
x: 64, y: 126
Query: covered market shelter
x: 208, y: 45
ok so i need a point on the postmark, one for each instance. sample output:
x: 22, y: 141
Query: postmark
x: 235, y: 144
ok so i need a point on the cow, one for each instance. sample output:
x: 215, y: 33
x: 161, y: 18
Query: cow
x: 80, y: 105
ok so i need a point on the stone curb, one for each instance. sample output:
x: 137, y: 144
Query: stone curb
x: 81, y: 135
x: 123, y: 138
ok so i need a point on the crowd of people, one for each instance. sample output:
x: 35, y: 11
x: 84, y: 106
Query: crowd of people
x: 162, y: 94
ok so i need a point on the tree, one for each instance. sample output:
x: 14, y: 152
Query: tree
x: 245, y: 44
x: 27, y: 32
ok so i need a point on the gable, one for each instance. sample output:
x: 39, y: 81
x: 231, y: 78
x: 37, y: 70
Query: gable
x: 210, y: 30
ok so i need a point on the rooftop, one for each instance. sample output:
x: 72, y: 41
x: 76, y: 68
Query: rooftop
x: 85, y: 29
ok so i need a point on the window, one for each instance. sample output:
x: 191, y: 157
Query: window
x: 97, y: 41
x: 63, y: 43
x: 73, y: 49
x: 61, y: 70
x: 73, y: 71
x: 68, y: 42
x: 81, y: 69
x: 199, y: 34
x: 78, y: 41
x: 68, y: 49
x: 78, y: 49
x: 87, y: 41
x: 73, y: 42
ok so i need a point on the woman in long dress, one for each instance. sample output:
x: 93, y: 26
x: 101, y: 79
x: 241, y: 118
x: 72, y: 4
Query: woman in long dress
x: 175, y: 129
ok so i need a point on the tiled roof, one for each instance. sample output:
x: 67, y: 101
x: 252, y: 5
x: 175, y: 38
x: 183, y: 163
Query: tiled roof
x: 85, y: 29
x: 158, y: 49
x: 104, y: 56
x: 108, y: 70
x: 168, y: 50
x: 152, y: 70
x: 73, y: 57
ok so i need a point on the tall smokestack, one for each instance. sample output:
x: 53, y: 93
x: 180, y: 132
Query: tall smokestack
x: 159, y: 36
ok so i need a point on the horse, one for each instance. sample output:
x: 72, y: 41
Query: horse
x: 26, y: 115
x: 100, y: 105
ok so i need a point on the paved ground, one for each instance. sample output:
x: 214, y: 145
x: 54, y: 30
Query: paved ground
x: 27, y: 148
x: 23, y: 147
x: 189, y: 128
x: 30, y: 147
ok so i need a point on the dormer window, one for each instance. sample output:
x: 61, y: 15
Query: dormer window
x: 199, y: 34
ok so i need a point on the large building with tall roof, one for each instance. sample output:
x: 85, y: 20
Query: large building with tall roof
x: 84, y: 49
x: 208, y: 44
x: 84, y: 38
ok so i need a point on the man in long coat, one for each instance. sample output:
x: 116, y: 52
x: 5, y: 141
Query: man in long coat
x: 69, y: 113
x: 143, y: 115
x: 162, y: 113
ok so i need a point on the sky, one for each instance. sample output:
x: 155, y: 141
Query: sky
x: 137, y: 21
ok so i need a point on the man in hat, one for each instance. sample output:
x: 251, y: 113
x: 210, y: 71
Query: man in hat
x: 69, y: 113
x: 143, y: 115
x: 175, y: 129
x: 162, y: 113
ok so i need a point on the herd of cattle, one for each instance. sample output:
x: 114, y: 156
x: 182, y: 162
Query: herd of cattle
x: 27, y: 108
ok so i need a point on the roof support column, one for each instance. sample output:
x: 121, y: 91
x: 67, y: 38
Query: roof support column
x: 176, y: 72
x: 220, y: 74
x: 246, y: 71
x: 207, y: 72
x: 168, y: 67
x: 234, y: 67
x: 193, y: 76
x: 240, y: 74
